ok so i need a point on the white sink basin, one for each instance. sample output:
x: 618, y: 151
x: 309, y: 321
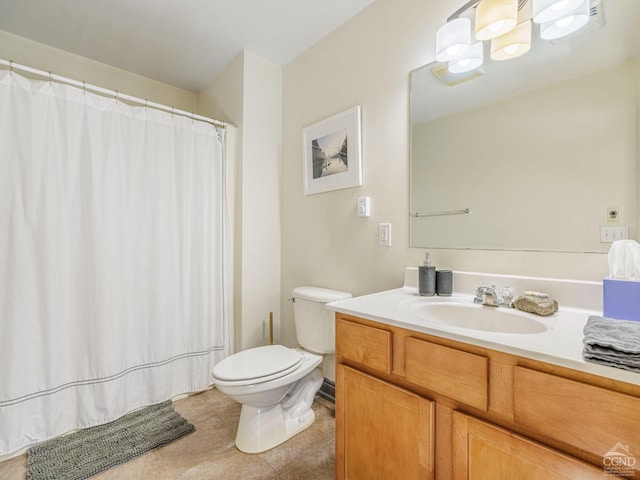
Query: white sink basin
x: 479, y: 317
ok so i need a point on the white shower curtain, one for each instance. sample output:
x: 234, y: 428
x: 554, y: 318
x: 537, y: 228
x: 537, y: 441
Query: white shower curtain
x: 111, y: 258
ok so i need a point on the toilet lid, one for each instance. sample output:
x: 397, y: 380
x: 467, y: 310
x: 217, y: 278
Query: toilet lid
x: 257, y: 362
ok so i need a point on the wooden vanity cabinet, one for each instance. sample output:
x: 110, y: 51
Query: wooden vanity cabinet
x: 387, y: 431
x: 482, y: 450
x: 411, y: 405
x: 364, y: 345
x: 589, y: 417
x: 448, y: 371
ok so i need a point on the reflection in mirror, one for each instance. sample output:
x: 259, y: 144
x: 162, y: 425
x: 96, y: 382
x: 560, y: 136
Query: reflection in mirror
x: 539, y: 149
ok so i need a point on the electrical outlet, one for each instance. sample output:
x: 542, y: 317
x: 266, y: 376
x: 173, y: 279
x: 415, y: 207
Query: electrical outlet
x: 613, y: 214
x: 611, y: 234
x: 384, y: 234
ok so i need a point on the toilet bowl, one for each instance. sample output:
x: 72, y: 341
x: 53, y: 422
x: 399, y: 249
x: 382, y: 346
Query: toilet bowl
x: 276, y: 385
x: 276, y: 403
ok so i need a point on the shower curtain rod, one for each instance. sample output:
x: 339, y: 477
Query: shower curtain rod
x: 112, y: 93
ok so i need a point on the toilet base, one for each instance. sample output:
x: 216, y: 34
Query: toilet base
x: 263, y: 428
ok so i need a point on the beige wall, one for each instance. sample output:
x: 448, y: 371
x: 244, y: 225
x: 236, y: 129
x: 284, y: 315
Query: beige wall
x: 261, y: 228
x: 49, y: 59
x: 366, y: 62
x: 223, y: 99
x: 248, y: 93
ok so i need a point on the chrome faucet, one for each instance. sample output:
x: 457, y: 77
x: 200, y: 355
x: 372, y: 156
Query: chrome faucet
x: 486, y: 295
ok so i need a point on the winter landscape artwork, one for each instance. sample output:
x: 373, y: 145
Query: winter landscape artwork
x: 332, y: 153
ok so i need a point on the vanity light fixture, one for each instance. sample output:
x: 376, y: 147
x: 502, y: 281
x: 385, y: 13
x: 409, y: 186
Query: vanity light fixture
x: 568, y: 24
x: 471, y: 60
x: 508, y: 25
x: 495, y: 18
x: 512, y: 44
x: 549, y: 10
x: 453, y: 39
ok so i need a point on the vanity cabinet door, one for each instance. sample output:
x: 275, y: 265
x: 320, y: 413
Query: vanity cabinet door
x: 383, y: 432
x: 593, y: 419
x: 483, y: 451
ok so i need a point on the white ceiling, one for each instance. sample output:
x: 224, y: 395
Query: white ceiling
x: 185, y: 43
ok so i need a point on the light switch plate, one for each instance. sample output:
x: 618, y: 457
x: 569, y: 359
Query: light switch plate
x: 384, y: 234
x: 364, y: 206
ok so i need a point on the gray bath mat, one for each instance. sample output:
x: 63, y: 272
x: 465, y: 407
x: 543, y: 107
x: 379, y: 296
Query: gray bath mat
x: 93, y: 450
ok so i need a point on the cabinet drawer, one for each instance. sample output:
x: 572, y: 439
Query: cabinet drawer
x: 459, y: 375
x: 365, y: 345
x: 590, y: 418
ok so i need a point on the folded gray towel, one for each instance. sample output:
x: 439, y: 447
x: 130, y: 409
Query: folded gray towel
x: 615, y: 343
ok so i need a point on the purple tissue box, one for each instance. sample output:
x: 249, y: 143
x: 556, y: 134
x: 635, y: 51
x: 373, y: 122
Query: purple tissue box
x: 621, y: 299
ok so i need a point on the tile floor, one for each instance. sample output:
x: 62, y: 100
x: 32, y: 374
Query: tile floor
x: 210, y: 453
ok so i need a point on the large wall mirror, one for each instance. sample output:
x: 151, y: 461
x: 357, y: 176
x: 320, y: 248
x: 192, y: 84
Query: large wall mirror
x: 537, y: 152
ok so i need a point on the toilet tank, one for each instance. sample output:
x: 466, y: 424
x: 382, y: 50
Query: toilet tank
x: 315, y: 325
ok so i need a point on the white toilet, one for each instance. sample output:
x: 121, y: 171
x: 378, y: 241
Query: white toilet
x: 276, y: 385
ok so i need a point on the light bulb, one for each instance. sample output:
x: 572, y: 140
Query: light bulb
x: 453, y: 39
x: 569, y: 23
x: 470, y: 60
x: 511, y: 49
x: 454, y: 51
x: 495, y: 18
x: 566, y: 21
x: 512, y: 44
x: 559, y: 5
x: 545, y: 11
x: 496, y: 26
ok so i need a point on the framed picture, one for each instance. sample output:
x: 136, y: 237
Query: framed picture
x: 332, y: 153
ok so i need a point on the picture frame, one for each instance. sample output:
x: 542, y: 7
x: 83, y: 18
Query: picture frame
x: 332, y: 153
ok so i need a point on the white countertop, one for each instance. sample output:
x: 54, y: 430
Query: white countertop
x: 560, y: 344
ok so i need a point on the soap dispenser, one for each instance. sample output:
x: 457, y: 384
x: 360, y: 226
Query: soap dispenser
x: 427, y: 277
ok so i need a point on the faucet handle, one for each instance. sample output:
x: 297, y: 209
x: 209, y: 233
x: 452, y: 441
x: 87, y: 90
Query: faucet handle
x: 507, y: 295
x: 482, y: 291
x: 478, y: 291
